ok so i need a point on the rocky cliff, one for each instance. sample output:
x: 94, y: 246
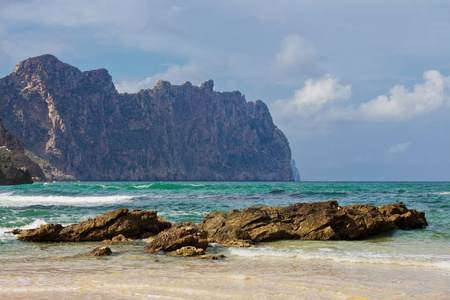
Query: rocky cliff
x: 15, y: 156
x: 10, y: 175
x: 79, y: 123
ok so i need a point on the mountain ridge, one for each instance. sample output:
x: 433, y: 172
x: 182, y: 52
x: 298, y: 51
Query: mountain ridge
x: 80, y: 124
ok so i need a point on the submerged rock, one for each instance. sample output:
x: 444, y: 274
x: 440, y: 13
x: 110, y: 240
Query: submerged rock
x: 308, y: 221
x: 178, y: 237
x: 130, y: 224
x: 188, y: 251
x: 100, y: 251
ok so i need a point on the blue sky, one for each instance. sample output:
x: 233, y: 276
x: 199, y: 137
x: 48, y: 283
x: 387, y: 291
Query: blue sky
x: 360, y: 88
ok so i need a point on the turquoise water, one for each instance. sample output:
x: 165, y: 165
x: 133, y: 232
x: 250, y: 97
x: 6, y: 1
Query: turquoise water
x: 28, y: 206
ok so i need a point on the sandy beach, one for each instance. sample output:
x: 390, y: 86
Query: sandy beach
x: 133, y: 275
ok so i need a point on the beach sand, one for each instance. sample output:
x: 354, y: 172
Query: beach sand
x: 139, y: 276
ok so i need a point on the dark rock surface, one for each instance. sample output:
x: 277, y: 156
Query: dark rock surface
x: 178, y: 237
x: 129, y: 223
x: 100, y: 251
x: 18, y: 158
x: 309, y: 221
x: 77, y: 122
x: 9, y: 174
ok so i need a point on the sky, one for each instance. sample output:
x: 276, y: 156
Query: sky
x: 360, y: 88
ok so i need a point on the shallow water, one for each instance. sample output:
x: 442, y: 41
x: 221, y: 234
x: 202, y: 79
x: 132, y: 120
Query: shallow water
x: 394, y: 265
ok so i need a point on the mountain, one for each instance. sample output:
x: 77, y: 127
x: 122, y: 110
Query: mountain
x: 86, y: 130
x: 13, y: 157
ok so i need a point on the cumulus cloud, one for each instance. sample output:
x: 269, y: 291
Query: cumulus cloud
x: 403, y: 104
x: 312, y: 106
x: 314, y: 97
x: 397, y: 150
x: 319, y: 103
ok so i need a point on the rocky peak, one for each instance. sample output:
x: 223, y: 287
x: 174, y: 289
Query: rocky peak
x: 43, y: 70
x: 207, y: 85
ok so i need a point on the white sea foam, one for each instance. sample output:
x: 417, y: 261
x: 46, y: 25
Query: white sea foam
x: 442, y: 193
x: 143, y: 186
x: 5, y: 237
x: 423, y: 260
x: 10, y: 200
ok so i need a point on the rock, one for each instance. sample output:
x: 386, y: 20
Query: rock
x: 78, y: 123
x: 18, y: 157
x: 403, y: 217
x: 213, y: 257
x: 10, y: 175
x: 130, y: 224
x: 309, y: 221
x: 45, y: 233
x: 118, y: 239
x: 100, y: 251
x: 14, y: 231
x: 176, y: 238
x: 188, y: 251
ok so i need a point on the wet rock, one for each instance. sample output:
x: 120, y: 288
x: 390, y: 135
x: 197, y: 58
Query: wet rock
x: 309, y: 221
x: 213, y: 257
x: 403, y: 217
x: 118, y: 239
x: 188, y: 251
x: 177, y: 238
x: 131, y: 224
x: 100, y: 251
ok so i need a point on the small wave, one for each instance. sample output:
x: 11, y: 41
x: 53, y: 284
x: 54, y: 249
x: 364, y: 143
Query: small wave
x: 441, y: 193
x: 143, y: 186
x: 24, y: 201
x: 440, y: 261
x: 6, y: 236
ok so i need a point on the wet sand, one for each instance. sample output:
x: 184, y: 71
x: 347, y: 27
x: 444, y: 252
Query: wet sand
x: 138, y: 276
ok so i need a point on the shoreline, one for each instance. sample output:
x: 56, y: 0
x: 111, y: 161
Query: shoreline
x: 130, y: 276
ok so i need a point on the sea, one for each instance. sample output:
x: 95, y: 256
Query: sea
x: 395, y: 265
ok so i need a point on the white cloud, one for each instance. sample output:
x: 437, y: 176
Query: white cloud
x: 296, y: 53
x: 134, y: 86
x: 397, y: 150
x: 403, y: 104
x: 193, y: 71
x: 312, y: 105
x: 319, y: 103
x: 314, y: 97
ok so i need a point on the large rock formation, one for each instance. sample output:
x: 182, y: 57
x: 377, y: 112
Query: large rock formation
x: 17, y: 156
x: 79, y: 123
x: 10, y: 175
x: 308, y: 221
x: 132, y: 224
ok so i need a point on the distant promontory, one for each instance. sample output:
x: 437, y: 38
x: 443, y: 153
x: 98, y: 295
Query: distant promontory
x: 76, y: 126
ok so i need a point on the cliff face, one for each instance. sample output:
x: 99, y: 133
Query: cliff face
x: 86, y: 129
x: 13, y: 156
x: 9, y: 174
